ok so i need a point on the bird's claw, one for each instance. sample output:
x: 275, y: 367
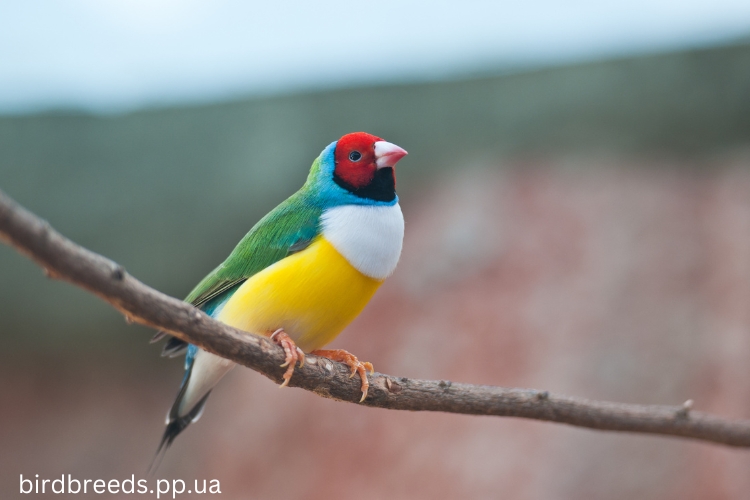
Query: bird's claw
x: 292, y: 354
x: 355, y: 365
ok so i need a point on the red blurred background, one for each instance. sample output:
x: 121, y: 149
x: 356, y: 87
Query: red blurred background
x: 623, y: 282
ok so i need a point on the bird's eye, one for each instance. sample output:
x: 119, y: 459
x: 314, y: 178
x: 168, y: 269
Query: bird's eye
x: 355, y: 156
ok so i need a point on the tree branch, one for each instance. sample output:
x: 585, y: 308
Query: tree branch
x: 63, y: 259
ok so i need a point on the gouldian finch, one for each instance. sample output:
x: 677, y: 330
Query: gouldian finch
x: 304, y: 271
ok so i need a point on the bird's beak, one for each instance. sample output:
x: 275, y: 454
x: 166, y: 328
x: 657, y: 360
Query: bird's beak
x: 387, y: 154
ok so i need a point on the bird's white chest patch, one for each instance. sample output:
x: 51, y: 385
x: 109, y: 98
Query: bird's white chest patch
x: 369, y: 238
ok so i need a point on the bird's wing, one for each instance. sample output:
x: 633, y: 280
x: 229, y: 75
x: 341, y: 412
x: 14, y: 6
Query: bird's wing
x: 287, y: 229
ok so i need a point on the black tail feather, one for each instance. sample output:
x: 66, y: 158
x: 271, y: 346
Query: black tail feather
x: 175, y: 426
x: 158, y: 336
x: 174, y: 347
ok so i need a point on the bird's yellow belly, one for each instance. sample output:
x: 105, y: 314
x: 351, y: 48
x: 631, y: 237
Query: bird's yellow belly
x: 312, y: 295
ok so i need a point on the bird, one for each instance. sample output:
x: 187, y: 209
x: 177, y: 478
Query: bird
x: 303, y: 272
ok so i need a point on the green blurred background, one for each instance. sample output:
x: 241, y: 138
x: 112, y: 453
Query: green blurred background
x: 168, y: 192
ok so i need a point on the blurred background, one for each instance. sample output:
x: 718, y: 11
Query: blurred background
x: 577, y: 204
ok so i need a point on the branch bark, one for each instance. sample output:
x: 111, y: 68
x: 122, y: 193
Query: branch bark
x: 63, y: 259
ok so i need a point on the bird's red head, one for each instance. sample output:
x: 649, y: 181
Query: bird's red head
x: 364, y: 166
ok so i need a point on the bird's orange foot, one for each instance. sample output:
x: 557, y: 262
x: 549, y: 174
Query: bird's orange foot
x: 292, y: 353
x: 350, y: 360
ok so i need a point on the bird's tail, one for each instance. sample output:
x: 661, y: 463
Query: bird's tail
x: 203, y: 372
x: 173, y: 429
